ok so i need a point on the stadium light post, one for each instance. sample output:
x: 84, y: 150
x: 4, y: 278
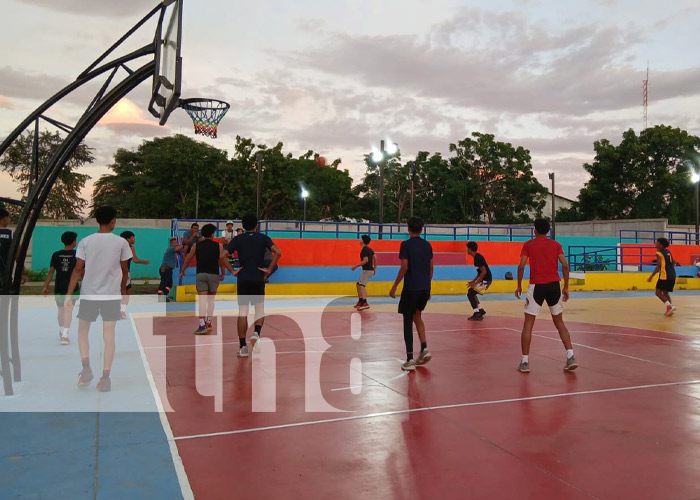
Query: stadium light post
x: 304, y: 195
x: 695, y: 178
x: 554, y: 233
x: 380, y: 157
x: 258, y: 163
x: 413, y: 192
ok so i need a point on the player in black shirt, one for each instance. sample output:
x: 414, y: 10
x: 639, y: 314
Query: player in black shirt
x: 480, y: 283
x: 665, y: 267
x: 416, y: 271
x: 210, y: 258
x: 251, y: 247
x: 62, y: 263
x: 368, y: 263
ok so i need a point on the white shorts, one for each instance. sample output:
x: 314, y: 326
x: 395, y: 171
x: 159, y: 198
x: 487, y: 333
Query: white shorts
x: 537, y: 295
x: 364, y: 277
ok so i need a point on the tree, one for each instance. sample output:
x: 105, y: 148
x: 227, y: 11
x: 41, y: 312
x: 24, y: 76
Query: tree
x: 493, y: 181
x: 645, y: 176
x: 65, y: 200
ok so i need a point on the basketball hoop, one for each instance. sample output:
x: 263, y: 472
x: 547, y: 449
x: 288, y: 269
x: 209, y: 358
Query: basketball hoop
x: 205, y: 113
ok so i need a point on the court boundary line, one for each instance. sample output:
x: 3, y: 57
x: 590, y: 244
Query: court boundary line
x: 433, y: 408
x: 183, y: 480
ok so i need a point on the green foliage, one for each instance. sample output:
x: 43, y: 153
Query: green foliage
x: 645, y: 176
x: 65, y: 200
x: 593, y: 263
x: 36, y: 275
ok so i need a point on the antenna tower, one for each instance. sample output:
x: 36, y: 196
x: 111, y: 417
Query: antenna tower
x: 645, y: 98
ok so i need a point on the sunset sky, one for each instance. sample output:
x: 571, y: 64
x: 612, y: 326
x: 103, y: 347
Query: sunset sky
x: 337, y: 76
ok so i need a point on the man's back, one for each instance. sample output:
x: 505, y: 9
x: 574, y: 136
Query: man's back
x: 419, y: 253
x: 103, y: 253
x: 543, y: 254
x: 63, y: 261
x: 251, y: 248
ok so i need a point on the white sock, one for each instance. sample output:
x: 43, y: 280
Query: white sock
x: 122, y: 308
x: 668, y: 303
x: 526, y: 359
x: 64, y: 331
x: 476, y: 310
x: 569, y: 353
x: 201, y: 322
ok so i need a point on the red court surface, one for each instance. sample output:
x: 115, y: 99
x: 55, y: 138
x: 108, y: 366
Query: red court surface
x: 626, y: 424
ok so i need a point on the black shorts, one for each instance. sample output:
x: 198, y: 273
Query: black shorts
x: 666, y: 285
x: 91, y: 309
x: 61, y: 298
x: 250, y: 292
x: 412, y: 301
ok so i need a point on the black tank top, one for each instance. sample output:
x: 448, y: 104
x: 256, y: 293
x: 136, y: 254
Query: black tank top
x: 207, y: 256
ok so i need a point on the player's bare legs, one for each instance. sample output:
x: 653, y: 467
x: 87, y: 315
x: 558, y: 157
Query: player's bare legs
x: 108, y: 336
x: 563, y: 331
x: 526, y: 335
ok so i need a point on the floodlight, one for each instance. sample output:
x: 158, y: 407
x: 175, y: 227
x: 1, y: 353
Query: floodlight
x: 391, y: 148
x: 377, y: 156
x: 304, y: 193
x: 695, y: 177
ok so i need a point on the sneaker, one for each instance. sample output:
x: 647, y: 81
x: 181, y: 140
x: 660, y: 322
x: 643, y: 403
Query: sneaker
x: 482, y: 312
x: 254, y: 340
x: 475, y: 317
x: 424, y: 357
x: 85, y: 377
x: 104, y: 384
x: 409, y: 366
x: 201, y: 330
x: 65, y: 340
x: 362, y: 307
x: 209, y: 325
x: 243, y: 352
x: 571, y: 364
x: 670, y: 310
x: 524, y: 367
x: 359, y: 303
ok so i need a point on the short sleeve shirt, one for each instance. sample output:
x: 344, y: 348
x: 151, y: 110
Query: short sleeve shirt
x: 479, y: 262
x: 543, y: 254
x: 5, y: 242
x: 251, y: 248
x: 170, y: 258
x: 419, y: 254
x: 63, y: 262
x: 369, y: 253
x: 103, y: 254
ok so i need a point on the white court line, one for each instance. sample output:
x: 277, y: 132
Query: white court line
x: 684, y: 341
x: 185, y: 487
x: 428, y: 408
x: 376, y: 384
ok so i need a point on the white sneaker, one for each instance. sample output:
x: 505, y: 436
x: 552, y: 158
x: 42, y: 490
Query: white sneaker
x: 409, y: 366
x: 65, y: 340
x: 243, y: 352
x: 424, y: 357
x: 254, y: 340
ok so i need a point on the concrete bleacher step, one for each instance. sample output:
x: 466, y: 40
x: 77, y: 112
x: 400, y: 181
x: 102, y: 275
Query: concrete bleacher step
x: 439, y: 259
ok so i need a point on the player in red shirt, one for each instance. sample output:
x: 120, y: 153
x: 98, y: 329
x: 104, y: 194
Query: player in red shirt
x: 545, y: 285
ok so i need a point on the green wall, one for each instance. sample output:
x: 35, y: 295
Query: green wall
x: 150, y: 245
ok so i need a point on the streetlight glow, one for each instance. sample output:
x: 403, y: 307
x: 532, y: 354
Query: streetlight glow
x: 695, y: 177
x: 304, y: 193
x: 391, y: 148
x: 377, y: 156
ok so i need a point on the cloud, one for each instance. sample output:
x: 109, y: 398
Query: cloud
x: 499, y: 62
x: 5, y: 102
x: 29, y: 85
x: 123, y: 8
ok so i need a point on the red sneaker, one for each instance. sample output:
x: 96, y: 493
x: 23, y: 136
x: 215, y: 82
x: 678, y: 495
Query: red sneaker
x: 209, y: 325
x: 85, y: 377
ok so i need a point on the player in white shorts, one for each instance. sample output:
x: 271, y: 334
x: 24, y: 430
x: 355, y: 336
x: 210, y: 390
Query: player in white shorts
x: 545, y: 286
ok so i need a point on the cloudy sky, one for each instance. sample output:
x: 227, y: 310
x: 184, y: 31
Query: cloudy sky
x: 337, y: 76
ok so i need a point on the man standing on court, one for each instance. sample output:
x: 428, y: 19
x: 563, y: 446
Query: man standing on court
x: 251, y: 247
x: 545, y: 286
x: 416, y: 271
x: 102, y: 257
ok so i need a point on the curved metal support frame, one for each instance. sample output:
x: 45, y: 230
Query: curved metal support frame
x: 39, y: 192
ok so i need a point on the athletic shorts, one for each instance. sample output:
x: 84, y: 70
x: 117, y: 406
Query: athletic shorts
x: 61, y: 298
x: 364, y: 277
x: 91, y: 309
x: 206, y: 282
x: 537, y: 295
x: 412, y: 301
x: 250, y: 292
x: 666, y: 285
x: 480, y: 288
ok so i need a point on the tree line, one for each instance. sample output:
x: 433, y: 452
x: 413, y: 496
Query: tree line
x: 480, y: 180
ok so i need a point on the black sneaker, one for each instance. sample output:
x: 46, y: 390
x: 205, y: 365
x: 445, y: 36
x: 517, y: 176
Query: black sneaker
x: 482, y: 312
x: 475, y: 317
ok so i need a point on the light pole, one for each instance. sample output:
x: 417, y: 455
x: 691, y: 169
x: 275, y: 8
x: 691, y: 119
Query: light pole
x: 258, y: 163
x: 413, y: 192
x: 304, y: 195
x: 554, y: 233
x: 380, y: 157
x: 695, y: 178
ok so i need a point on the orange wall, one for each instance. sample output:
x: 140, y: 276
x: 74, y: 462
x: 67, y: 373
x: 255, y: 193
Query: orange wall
x: 296, y: 252
x: 682, y: 254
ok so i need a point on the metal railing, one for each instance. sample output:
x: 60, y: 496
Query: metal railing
x: 623, y: 258
x: 650, y: 236
x: 310, y: 229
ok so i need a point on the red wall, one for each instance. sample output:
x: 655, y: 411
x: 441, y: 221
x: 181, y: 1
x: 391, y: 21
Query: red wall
x: 683, y: 254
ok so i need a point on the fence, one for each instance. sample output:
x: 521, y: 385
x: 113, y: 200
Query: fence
x: 353, y: 230
x: 649, y: 236
x: 628, y: 258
